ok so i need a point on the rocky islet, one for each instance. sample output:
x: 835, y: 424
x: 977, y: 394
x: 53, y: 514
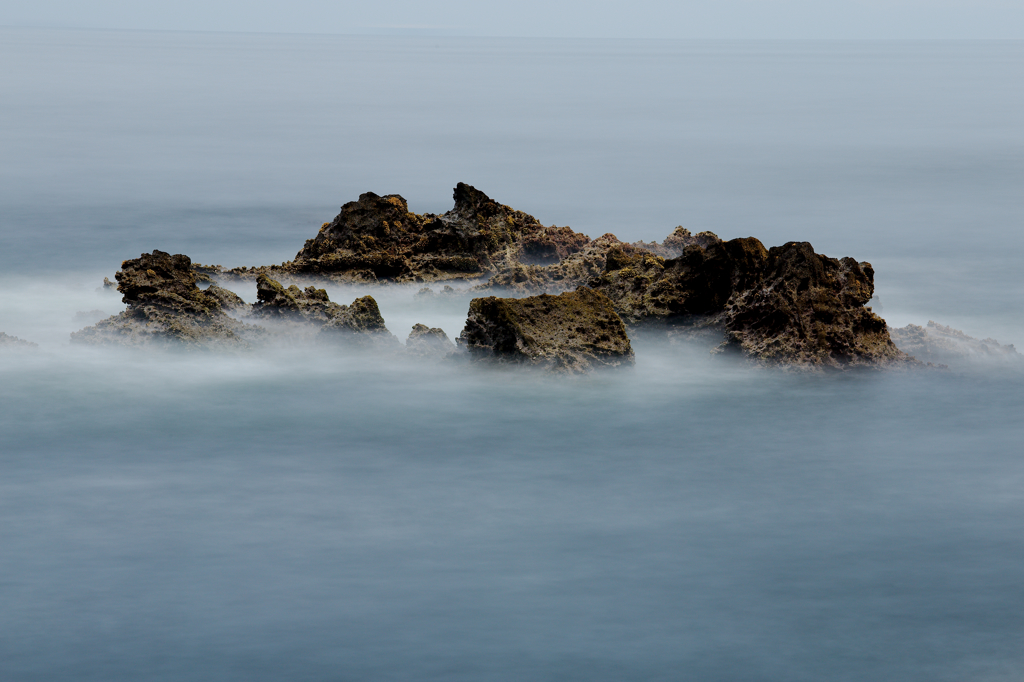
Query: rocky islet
x: 786, y: 305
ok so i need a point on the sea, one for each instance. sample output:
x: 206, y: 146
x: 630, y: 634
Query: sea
x: 311, y: 514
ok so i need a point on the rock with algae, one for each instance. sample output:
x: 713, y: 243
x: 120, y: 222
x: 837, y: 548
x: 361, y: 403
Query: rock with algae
x: 166, y: 308
x: 572, y: 332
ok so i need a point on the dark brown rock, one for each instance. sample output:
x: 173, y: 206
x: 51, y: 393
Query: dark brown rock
x: 165, y: 307
x: 572, y: 332
x: 377, y: 238
x: 809, y: 310
x: 312, y: 310
x: 787, y: 305
x: 647, y: 287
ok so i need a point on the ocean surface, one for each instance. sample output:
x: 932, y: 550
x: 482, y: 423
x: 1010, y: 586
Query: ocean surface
x: 315, y: 515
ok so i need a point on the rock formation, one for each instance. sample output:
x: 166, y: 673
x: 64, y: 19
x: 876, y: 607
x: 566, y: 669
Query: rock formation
x: 312, y: 310
x: 676, y: 242
x: 572, y: 272
x: 572, y: 332
x: 938, y: 344
x: 785, y: 305
x: 429, y: 342
x: 165, y: 307
x: 8, y: 342
x: 377, y: 238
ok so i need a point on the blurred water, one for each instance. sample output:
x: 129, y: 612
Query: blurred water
x: 311, y: 515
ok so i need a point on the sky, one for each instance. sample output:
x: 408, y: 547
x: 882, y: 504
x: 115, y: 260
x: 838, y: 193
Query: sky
x: 728, y: 19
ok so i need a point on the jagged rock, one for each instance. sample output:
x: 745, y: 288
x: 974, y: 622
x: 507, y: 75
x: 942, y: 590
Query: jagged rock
x: 572, y: 332
x: 107, y: 284
x: 699, y: 282
x: 446, y: 292
x: 676, y: 242
x: 274, y: 301
x: 313, y: 310
x: 8, y: 342
x: 207, y: 274
x: 230, y: 302
x: 786, y: 305
x: 165, y: 307
x: 809, y: 310
x: 939, y: 344
x: 575, y: 270
x: 377, y: 238
x: 429, y: 341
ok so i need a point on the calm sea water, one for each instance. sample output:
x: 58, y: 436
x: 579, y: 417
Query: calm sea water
x: 313, y: 516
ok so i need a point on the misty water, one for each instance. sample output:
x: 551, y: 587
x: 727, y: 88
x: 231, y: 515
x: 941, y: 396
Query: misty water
x: 313, y: 514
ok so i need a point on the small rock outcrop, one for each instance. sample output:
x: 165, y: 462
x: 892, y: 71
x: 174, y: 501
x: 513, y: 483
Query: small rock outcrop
x: 229, y: 301
x: 429, y: 342
x: 7, y: 342
x: 377, y: 238
x: 939, y: 344
x: 311, y: 309
x: 165, y: 307
x: 573, y: 332
x: 676, y: 243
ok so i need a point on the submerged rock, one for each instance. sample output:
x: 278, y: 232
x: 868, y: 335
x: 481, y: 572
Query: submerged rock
x: 939, y: 344
x: 429, y: 342
x: 377, y: 239
x: 165, y: 307
x: 572, y: 332
x: 7, y: 342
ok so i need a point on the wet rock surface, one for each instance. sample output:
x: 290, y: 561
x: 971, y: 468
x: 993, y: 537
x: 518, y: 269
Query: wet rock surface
x: 165, y: 307
x: 938, y: 344
x: 572, y: 332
